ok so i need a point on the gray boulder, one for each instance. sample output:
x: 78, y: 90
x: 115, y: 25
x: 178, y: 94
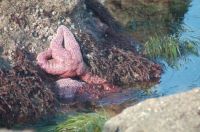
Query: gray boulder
x: 175, y: 113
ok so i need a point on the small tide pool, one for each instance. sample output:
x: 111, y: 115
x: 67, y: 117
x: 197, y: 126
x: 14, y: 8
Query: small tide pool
x: 187, y: 76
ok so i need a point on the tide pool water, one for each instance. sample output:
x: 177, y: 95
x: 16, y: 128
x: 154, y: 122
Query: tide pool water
x: 187, y: 76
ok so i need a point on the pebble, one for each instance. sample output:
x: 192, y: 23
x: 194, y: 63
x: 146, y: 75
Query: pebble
x: 11, y: 29
x: 32, y: 50
x: 41, y: 10
x: 37, y: 6
x: 72, y: 26
x: 36, y: 10
x: 50, y: 38
x: 68, y: 20
x: 26, y: 29
x: 63, y: 20
x: 46, y: 29
x: 1, y: 18
x: 5, y: 29
x: 53, y: 13
x: 43, y: 39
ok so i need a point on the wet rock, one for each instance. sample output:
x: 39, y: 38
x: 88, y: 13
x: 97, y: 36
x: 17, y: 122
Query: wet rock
x: 146, y: 15
x: 175, y: 113
x: 109, y: 50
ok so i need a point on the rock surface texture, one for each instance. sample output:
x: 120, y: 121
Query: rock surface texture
x: 107, y: 50
x: 176, y: 113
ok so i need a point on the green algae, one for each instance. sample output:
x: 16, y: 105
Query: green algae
x: 170, y: 48
x: 89, y: 122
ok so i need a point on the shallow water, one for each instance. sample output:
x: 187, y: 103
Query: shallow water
x: 187, y: 76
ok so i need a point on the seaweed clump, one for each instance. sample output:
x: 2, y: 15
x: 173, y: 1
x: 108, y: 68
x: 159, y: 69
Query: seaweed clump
x: 109, y: 50
x: 24, y: 95
x: 120, y: 66
x: 170, y: 48
x: 90, y: 122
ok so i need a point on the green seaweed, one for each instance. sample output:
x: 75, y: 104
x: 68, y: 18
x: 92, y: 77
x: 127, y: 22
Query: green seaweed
x: 86, y: 122
x: 179, y: 7
x: 170, y: 48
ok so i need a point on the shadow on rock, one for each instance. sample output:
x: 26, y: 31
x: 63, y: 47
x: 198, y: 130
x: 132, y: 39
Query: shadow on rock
x: 108, y: 50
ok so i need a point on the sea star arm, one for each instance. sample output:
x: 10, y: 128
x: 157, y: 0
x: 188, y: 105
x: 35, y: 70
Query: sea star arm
x: 57, y: 41
x: 66, y: 50
x: 43, y: 58
x: 71, y: 44
x: 94, y: 79
x: 51, y: 66
x: 67, y: 87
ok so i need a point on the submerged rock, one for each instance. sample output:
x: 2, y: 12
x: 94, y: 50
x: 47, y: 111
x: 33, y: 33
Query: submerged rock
x: 147, y: 17
x: 175, y: 113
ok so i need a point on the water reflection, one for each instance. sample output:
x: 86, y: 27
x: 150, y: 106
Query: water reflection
x: 188, y: 75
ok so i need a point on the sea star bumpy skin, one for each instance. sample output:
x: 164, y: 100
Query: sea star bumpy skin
x: 64, y: 58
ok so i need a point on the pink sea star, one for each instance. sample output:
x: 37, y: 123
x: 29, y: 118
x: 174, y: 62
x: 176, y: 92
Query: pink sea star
x: 64, y: 58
